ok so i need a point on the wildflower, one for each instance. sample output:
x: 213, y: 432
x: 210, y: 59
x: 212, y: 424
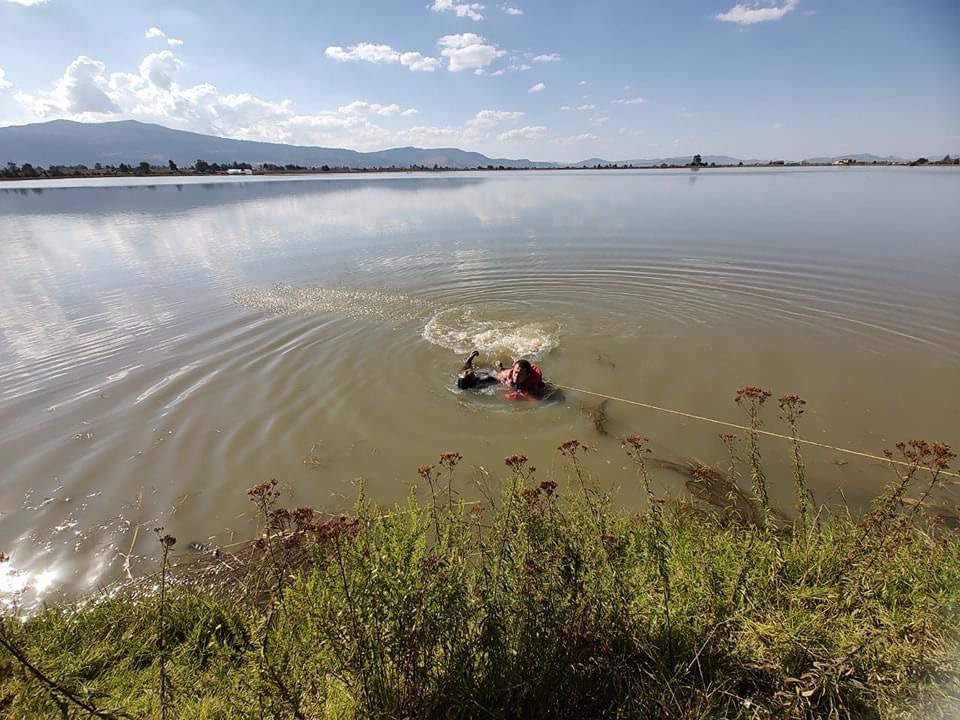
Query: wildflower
x: 279, y: 518
x: 303, y: 517
x: 261, y: 489
x: 636, y: 442
x: 477, y: 511
x: 728, y: 438
x: 168, y: 541
x: 547, y: 487
x: 450, y: 459
x: 529, y: 495
x: 515, y: 461
x: 753, y: 393
x: 425, y: 471
x: 572, y: 447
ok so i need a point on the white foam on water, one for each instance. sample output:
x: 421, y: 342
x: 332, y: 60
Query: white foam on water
x: 496, y: 332
x: 284, y: 299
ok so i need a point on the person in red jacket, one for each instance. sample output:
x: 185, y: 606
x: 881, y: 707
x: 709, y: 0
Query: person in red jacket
x: 523, y: 377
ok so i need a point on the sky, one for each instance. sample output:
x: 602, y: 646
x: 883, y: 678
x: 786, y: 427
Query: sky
x: 541, y: 79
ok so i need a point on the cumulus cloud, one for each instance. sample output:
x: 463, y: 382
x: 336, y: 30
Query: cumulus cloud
x: 4, y: 83
x: 155, y: 33
x: 28, y: 3
x: 585, y: 107
x: 489, y: 118
x: 468, y: 51
x: 627, y: 132
x: 528, y: 132
x: 380, y: 53
x: 627, y: 101
x: 510, y: 9
x: 547, y: 58
x: 573, y: 139
x: 359, y: 107
x: 81, y: 90
x: 539, y: 87
x: 599, y: 119
x: 778, y: 125
x: 743, y: 14
x: 582, y: 82
x: 153, y: 93
x: 467, y: 10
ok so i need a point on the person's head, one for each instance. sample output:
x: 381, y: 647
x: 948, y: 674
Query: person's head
x: 522, y: 370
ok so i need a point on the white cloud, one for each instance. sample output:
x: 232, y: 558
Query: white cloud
x: 599, y: 119
x: 778, y: 125
x: 756, y: 13
x: 28, y: 3
x: 379, y: 53
x: 510, y: 9
x: 489, y: 118
x: 468, y: 10
x: 627, y: 101
x: 574, y: 139
x: 155, y: 33
x: 419, y: 63
x: 81, y: 90
x: 627, y: 132
x: 359, y: 107
x: 565, y: 107
x: 547, y: 58
x: 586, y: 107
x: 497, y: 73
x: 4, y: 83
x: 539, y: 87
x: 468, y: 51
x: 529, y: 132
x: 582, y: 82
x: 686, y: 114
x: 367, y: 52
x: 152, y: 93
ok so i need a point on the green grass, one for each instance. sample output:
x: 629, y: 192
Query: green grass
x: 545, y: 602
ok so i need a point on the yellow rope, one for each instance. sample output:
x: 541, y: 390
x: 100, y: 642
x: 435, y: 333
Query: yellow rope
x: 768, y: 433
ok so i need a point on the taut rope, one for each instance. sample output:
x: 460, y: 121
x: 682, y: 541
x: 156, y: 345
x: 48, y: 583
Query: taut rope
x: 768, y: 433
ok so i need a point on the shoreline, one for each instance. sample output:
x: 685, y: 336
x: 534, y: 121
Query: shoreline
x: 160, y: 173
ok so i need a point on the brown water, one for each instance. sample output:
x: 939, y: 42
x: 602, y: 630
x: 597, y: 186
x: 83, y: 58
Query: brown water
x: 164, y: 346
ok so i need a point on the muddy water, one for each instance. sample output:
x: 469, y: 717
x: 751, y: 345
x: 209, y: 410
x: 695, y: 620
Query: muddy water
x: 164, y: 346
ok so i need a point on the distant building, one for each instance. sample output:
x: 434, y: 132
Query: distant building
x: 845, y: 161
x: 238, y: 171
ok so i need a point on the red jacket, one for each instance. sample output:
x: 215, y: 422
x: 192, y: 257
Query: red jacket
x: 531, y: 387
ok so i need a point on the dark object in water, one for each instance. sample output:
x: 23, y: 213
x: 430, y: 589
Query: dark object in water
x: 470, y: 378
x: 605, y: 360
x: 598, y: 415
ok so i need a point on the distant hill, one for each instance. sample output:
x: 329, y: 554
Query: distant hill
x: 64, y: 142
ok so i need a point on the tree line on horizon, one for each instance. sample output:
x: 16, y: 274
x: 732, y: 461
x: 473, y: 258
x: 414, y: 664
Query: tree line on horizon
x: 201, y: 167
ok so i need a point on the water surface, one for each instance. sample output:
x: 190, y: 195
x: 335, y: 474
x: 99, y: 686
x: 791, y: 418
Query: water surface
x: 163, y: 345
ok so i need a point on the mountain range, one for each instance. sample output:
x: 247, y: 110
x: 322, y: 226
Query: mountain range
x: 65, y: 142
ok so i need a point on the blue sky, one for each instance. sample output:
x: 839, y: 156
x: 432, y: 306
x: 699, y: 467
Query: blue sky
x: 544, y: 79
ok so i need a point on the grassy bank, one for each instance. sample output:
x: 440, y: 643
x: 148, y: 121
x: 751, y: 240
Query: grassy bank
x: 542, y: 602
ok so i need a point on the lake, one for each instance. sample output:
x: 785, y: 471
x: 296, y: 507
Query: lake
x: 165, y: 345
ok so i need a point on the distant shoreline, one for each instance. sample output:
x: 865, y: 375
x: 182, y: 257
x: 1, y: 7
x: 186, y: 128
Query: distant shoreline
x: 163, y: 172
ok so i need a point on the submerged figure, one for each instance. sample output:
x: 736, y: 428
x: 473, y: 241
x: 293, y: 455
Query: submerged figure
x: 524, y: 378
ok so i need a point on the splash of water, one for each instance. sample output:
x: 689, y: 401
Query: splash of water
x: 284, y: 299
x: 498, y: 332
